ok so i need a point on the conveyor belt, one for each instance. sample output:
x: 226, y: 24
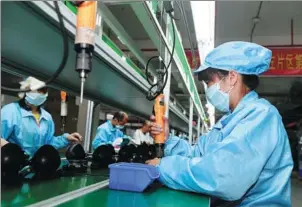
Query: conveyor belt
x: 161, y: 197
x: 33, y: 192
x: 54, y: 192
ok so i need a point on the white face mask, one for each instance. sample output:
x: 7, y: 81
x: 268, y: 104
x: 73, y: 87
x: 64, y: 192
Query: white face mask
x: 119, y: 127
x: 35, y: 99
x: 219, y: 99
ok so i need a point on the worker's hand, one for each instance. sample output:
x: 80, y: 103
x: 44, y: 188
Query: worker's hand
x: 155, y: 129
x: 74, y: 137
x: 153, y: 162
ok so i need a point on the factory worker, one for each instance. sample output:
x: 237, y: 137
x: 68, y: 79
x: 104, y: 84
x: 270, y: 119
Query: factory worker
x: 142, y: 135
x: 108, y: 132
x: 28, y: 125
x: 246, y: 157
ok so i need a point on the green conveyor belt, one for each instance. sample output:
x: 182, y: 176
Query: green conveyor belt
x: 154, y: 197
x: 33, y: 192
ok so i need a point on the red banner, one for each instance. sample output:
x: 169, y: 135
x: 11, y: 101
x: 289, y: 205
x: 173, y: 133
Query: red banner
x: 286, y: 62
x: 190, y: 58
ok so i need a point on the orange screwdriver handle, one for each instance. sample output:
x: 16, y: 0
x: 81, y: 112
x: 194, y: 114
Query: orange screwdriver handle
x: 160, y: 110
x: 86, y: 22
x: 63, y: 96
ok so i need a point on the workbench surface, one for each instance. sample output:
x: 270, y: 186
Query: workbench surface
x: 36, y: 191
x: 157, y: 195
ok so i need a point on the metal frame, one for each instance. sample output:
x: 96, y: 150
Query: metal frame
x: 119, y: 30
x: 103, y: 53
x: 140, y: 10
x: 88, y: 125
x: 102, y: 50
x: 166, y: 59
x: 100, y: 47
x: 191, y: 122
x: 198, y: 127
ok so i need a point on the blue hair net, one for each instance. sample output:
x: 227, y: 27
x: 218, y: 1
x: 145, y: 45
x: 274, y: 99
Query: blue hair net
x: 244, y: 57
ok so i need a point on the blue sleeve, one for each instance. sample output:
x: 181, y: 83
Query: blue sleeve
x: 7, y: 121
x: 176, y: 146
x: 241, y: 155
x: 120, y: 134
x: 198, y: 149
x: 56, y: 141
x: 101, y: 138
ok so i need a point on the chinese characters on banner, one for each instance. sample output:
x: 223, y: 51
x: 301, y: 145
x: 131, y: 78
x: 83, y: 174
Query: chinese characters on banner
x: 286, y: 62
x: 190, y: 59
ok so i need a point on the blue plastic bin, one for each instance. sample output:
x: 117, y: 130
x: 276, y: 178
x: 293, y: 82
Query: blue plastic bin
x: 131, y: 176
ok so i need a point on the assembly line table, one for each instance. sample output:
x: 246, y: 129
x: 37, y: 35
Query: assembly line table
x: 159, y: 197
x: 36, y: 191
x: 44, y: 193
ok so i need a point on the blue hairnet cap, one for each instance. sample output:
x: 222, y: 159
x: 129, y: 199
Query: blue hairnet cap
x: 243, y: 57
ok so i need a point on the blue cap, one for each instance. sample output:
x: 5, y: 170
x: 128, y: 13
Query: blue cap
x: 243, y: 57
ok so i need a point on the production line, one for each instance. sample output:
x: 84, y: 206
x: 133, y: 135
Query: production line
x: 46, y: 177
x: 243, y: 159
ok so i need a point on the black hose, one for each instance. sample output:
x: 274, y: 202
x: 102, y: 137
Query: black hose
x: 159, y: 90
x: 65, y: 53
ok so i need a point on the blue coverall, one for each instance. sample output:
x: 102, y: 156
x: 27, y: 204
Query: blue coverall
x: 246, y: 147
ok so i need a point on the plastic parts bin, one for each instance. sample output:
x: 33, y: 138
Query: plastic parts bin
x: 131, y: 176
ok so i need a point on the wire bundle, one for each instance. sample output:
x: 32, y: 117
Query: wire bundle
x: 162, y: 73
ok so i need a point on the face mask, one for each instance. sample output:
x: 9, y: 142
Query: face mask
x: 119, y: 127
x: 35, y: 99
x: 219, y: 99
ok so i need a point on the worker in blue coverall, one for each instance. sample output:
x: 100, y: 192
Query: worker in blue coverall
x: 28, y: 125
x: 108, y: 132
x: 246, y: 156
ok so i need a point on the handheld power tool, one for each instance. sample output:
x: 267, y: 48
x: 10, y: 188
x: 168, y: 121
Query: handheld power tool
x: 84, y: 40
x: 159, y: 109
